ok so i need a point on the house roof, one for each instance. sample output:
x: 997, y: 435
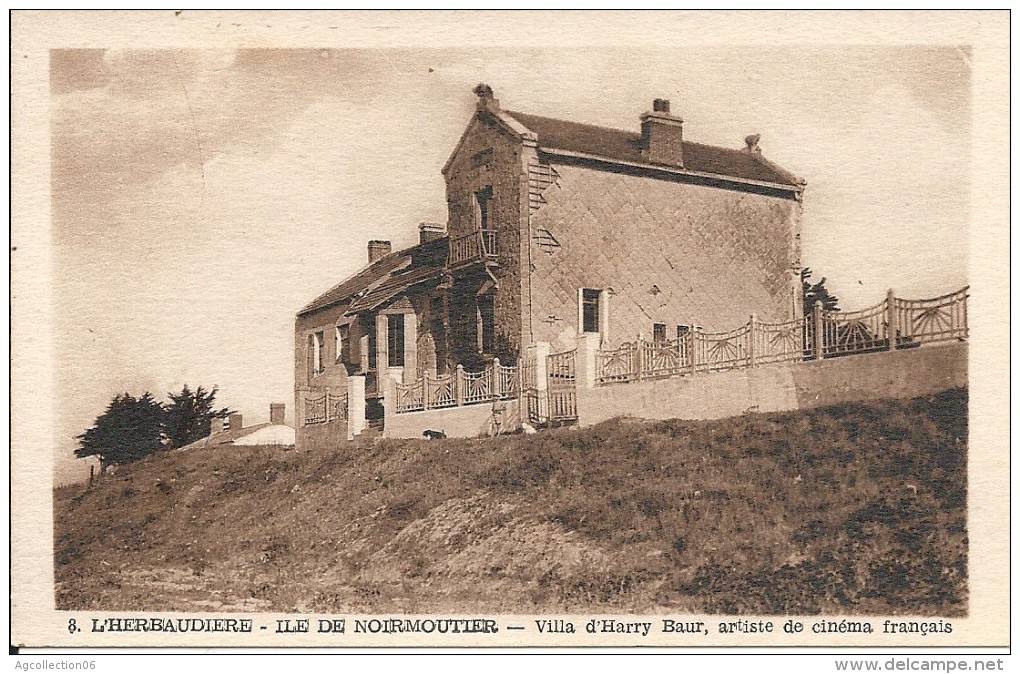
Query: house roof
x: 224, y: 437
x: 625, y: 146
x: 385, y: 278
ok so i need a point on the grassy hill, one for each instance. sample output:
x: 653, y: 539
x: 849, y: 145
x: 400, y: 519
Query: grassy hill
x: 857, y: 508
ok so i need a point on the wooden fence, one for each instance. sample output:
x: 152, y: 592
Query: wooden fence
x: 496, y: 382
x: 326, y: 408
x: 893, y: 323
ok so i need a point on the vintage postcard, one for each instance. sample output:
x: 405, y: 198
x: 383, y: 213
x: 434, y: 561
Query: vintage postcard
x: 489, y: 329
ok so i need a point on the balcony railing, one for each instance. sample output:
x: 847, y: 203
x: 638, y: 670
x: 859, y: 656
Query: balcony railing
x: 475, y: 246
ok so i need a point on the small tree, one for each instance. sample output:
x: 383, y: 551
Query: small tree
x: 128, y: 430
x: 189, y: 414
x: 816, y: 292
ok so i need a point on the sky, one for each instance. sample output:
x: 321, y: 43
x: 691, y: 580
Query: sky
x: 201, y: 197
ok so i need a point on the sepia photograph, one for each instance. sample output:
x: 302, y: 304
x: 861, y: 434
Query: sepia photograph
x: 645, y: 341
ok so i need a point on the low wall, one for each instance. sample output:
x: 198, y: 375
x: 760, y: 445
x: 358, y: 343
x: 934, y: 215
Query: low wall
x: 781, y: 387
x: 468, y: 421
x: 321, y: 436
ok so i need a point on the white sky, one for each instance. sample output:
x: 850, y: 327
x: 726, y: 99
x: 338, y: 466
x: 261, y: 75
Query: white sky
x: 200, y: 198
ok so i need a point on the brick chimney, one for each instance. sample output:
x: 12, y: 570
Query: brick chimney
x: 215, y: 426
x: 378, y: 249
x: 430, y: 231
x: 662, y: 135
x: 235, y: 420
x: 276, y: 413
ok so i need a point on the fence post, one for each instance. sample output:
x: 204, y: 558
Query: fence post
x: 542, y: 366
x: 458, y: 384
x: 819, y: 344
x: 496, y: 376
x: 753, y: 323
x: 329, y: 408
x: 891, y: 319
x: 692, y: 353
x: 425, y: 390
x: 639, y: 357
x: 585, y: 360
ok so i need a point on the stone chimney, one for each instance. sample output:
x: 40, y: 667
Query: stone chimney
x: 235, y: 420
x: 430, y: 231
x: 215, y: 426
x: 662, y: 135
x: 486, y: 99
x: 378, y: 249
x: 276, y: 413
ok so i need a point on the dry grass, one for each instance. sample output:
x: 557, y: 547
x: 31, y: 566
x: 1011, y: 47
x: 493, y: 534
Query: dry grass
x: 850, y: 509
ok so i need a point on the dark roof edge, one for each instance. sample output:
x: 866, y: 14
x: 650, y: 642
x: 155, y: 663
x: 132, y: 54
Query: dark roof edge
x: 506, y: 120
x: 676, y: 174
x: 312, y: 307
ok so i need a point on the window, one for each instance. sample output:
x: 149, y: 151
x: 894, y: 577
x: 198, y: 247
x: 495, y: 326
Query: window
x: 373, y: 342
x: 438, y: 328
x: 315, y: 346
x: 483, y: 202
x: 483, y: 218
x: 310, y: 356
x: 590, y: 310
x: 486, y: 324
x: 682, y: 331
x: 343, y: 343
x: 395, y: 340
x: 659, y: 333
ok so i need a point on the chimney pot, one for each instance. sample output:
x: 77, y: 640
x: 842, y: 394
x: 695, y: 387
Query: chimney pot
x: 430, y: 231
x: 486, y: 100
x: 378, y: 249
x: 277, y: 411
x: 235, y: 420
x: 661, y: 105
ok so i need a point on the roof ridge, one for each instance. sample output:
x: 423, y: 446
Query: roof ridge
x: 570, y: 121
x: 621, y: 145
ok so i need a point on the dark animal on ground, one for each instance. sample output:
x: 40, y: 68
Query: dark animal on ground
x: 434, y: 435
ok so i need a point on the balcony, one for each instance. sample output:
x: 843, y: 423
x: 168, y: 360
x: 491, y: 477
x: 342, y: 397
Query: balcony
x: 473, y: 247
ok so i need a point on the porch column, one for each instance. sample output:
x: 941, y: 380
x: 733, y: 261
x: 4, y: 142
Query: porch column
x: 410, y: 347
x: 381, y: 351
x: 363, y: 352
x: 355, y: 405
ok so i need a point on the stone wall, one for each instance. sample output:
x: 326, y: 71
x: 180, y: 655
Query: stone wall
x: 468, y: 421
x: 489, y: 156
x: 665, y: 252
x: 781, y: 387
x: 321, y: 436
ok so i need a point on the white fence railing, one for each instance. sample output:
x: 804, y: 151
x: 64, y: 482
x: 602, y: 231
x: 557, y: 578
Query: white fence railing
x: 495, y: 382
x: 893, y: 323
x: 327, y: 408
